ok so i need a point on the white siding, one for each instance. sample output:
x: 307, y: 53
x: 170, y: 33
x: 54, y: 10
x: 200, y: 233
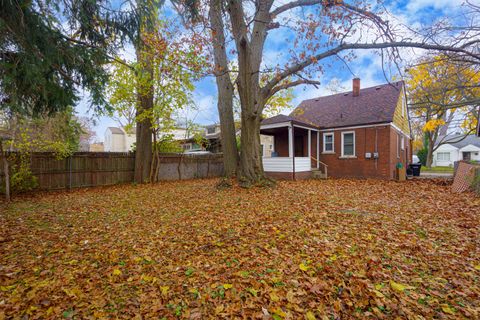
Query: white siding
x: 130, y: 139
x: 454, y: 156
x: 118, y: 142
x: 285, y: 164
x: 474, y: 152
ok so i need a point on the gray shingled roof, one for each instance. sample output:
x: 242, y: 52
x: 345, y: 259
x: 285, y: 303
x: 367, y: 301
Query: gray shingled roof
x: 470, y: 139
x: 283, y: 118
x: 373, y: 105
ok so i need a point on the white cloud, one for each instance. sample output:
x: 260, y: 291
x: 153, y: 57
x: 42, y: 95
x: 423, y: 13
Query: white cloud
x: 414, y: 6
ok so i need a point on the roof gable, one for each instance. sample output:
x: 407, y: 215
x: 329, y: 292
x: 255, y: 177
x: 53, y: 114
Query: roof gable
x: 470, y: 148
x: 373, y: 105
x: 459, y: 141
x: 115, y: 130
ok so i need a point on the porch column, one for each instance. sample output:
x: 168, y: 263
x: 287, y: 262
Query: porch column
x: 318, y: 148
x: 290, y: 141
x: 309, y: 143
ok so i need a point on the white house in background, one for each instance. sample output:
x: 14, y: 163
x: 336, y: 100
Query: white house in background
x: 118, y: 140
x: 184, y: 137
x: 267, y: 145
x: 213, y: 135
x: 465, y: 149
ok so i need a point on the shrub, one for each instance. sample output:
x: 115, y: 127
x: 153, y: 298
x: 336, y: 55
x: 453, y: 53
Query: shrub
x: 476, y: 181
x: 422, y: 156
x: 22, y: 179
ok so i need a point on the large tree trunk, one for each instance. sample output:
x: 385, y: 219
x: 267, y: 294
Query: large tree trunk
x: 429, y: 160
x: 143, y: 153
x: 225, y: 90
x: 6, y: 175
x: 252, y: 98
x: 251, y: 167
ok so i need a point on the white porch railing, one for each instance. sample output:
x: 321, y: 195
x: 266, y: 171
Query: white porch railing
x: 285, y: 164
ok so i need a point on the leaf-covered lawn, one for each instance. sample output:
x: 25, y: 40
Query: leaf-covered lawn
x: 315, y: 250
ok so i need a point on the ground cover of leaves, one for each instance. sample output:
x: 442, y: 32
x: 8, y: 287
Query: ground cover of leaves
x: 335, y: 249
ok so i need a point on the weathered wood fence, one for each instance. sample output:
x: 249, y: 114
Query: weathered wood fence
x: 88, y: 169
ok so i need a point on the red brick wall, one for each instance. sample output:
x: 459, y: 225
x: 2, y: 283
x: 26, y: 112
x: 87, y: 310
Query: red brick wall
x: 360, y: 166
x: 383, y: 168
x: 398, y: 155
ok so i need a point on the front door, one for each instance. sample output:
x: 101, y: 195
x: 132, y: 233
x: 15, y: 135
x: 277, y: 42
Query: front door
x: 467, y: 156
x: 299, y: 146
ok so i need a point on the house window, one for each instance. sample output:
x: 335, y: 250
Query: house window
x: 328, y: 142
x: 210, y: 130
x: 403, y: 143
x: 443, y: 156
x: 348, y: 144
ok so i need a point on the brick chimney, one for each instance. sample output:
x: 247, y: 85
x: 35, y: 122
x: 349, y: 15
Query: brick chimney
x: 356, y: 87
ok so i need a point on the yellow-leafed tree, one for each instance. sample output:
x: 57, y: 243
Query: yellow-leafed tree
x: 443, y: 95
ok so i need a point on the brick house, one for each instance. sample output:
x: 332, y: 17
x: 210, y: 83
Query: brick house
x: 363, y: 133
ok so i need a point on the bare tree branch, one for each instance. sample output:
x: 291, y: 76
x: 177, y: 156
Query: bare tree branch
x: 358, y: 46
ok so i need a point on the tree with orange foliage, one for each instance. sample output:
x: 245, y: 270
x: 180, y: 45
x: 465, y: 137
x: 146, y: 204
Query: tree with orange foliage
x: 443, y: 94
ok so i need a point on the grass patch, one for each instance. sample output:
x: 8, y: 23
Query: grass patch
x: 437, y: 169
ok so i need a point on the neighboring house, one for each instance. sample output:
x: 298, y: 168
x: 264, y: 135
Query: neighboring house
x: 185, y: 138
x: 362, y: 133
x: 118, y: 140
x: 212, y: 134
x: 458, y: 148
x: 267, y: 145
x: 96, y: 147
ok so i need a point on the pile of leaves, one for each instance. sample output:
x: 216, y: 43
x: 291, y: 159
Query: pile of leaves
x: 313, y: 249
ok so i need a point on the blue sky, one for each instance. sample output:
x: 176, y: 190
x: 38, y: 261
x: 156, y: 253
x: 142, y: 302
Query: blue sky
x: 367, y: 65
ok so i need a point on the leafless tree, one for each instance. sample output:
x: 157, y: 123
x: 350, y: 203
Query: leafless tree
x: 331, y: 29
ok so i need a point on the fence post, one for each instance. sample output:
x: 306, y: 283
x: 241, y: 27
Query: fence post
x: 70, y: 172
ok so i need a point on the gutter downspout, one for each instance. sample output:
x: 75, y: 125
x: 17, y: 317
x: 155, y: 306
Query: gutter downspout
x: 293, y: 147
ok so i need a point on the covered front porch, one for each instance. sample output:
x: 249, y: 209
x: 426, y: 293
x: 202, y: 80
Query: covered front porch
x: 296, y: 149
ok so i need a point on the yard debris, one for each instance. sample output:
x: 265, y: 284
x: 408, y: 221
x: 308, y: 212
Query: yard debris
x: 185, y: 250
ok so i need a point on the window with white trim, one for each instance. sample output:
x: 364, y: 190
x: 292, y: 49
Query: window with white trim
x: 328, y: 142
x: 443, y: 156
x: 348, y: 144
x: 402, y: 143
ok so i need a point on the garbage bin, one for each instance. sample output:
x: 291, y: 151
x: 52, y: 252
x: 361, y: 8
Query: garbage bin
x: 415, y: 167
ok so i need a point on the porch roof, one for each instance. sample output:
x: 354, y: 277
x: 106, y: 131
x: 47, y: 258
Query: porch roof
x: 286, y: 120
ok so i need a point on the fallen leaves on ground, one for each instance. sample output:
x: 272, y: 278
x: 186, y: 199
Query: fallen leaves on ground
x: 304, y: 250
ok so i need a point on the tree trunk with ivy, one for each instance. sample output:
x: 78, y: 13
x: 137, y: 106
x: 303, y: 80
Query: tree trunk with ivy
x: 143, y: 153
x: 225, y: 90
x: 145, y: 92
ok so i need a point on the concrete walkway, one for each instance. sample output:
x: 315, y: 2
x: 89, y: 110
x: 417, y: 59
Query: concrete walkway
x: 430, y: 175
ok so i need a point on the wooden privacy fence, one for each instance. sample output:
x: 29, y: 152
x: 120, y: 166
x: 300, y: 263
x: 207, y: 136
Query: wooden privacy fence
x: 89, y: 169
